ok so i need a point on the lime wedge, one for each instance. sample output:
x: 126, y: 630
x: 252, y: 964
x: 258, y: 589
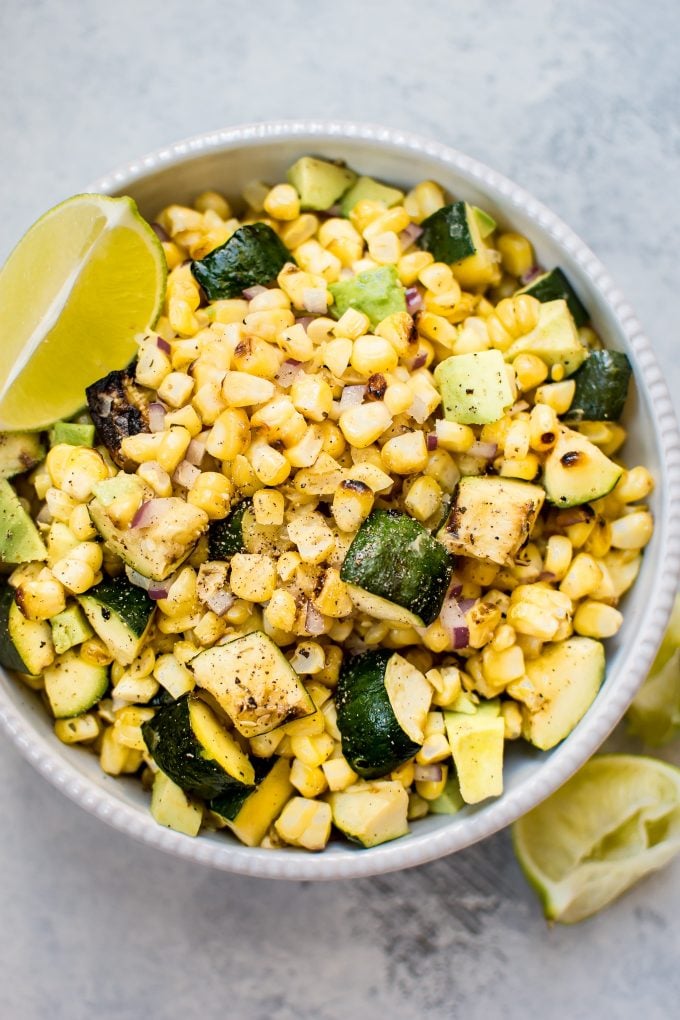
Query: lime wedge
x: 655, y: 712
x: 612, y: 823
x: 81, y: 283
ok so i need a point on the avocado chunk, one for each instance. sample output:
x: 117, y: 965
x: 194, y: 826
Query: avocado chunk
x: 253, y: 255
x: 119, y: 408
x: 371, y: 813
x: 19, y: 452
x: 72, y: 433
x: 69, y: 628
x: 554, y: 339
x: 577, y: 471
x: 375, y: 292
x: 366, y: 189
x: 566, y: 676
x: 552, y: 286
x: 601, y: 387
x: 20, y: 541
x: 474, y: 387
x: 318, y: 182
x: 485, y: 221
x: 477, y: 743
x: 491, y: 517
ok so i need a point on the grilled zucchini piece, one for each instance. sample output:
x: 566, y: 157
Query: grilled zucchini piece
x: 19, y: 452
x: 601, y: 387
x: 577, y: 471
x: 118, y: 408
x: 491, y: 517
x: 25, y: 645
x: 73, y: 686
x: 120, y: 613
x: 371, y: 813
x: 553, y: 286
x: 250, y: 813
x: 253, y: 255
x: 20, y: 540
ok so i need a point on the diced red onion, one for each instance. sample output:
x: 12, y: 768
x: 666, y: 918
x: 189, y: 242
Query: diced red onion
x: 314, y: 620
x: 160, y: 232
x: 304, y: 321
x: 288, y: 373
x: 418, y: 409
x: 418, y: 361
x: 410, y: 234
x: 432, y: 441
x: 485, y: 451
x: 466, y: 604
x: 454, y: 623
x: 163, y: 345
x: 134, y: 577
x: 315, y: 300
x: 414, y: 300
x: 156, y: 417
x: 530, y: 274
x: 159, y: 590
x: 546, y: 575
x: 574, y: 515
x: 150, y: 512
x: 427, y: 773
x: 251, y: 292
x: 455, y: 586
x: 186, y: 474
x: 352, y: 396
x: 220, y: 601
x: 195, y: 452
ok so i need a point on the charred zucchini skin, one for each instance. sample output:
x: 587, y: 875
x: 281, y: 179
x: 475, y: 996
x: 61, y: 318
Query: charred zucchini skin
x: 173, y: 746
x: 552, y: 286
x: 373, y: 742
x: 254, y: 254
x: 118, y: 408
x: 130, y: 603
x: 225, y: 537
x: 229, y: 803
x: 395, y: 557
x: 601, y: 387
x: 9, y: 656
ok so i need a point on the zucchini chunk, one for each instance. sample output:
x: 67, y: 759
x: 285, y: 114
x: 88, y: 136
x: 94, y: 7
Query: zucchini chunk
x: 566, y: 677
x: 69, y: 628
x: 449, y: 801
x: 366, y: 189
x: 240, y: 533
x: 475, y: 388
x: 554, y: 339
x: 171, y: 807
x: 20, y: 540
x: 26, y: 646
x: 19, y: 452
x: 73, y: 686
x: 601, y: 387
x: 394, y: 558
x: 253, y: 683
x: 119, y: 408
x: 453, y: 234
x: 318, y: 182
x: 477, y: 741
x: 382, y: 702
x: 577, y: 471
x: 189, y: 743
x: 249, y: 814
x: 254, y: 254
x: 553, y: 286
x: 375, y: 292
x: 491, y: 517
x: 371, y: 813
x: 120, y: 613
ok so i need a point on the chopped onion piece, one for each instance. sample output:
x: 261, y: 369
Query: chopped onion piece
x: 163, y: 345
x: 160, y: 232
x: 428, y: 773
x: 314, y: 623
x: 156, y: 417
x: 453, y: 619
x: 150, y: 512
x: 251, y: 292
x: 45, y: 515
x: 315, y: 300
x: 410, y: 234
x: 418, y: 410
x: 351, y: 397
x: 530, y: 275
x: 186, y: 474
x: 414, y: 300
x: 195, y: 452
x: 520, y: 405
x: 158, y: 590
x: 485, y: 451
x: 432, y: 441
x: 220, y: 601
x: 134, y: 577
x: 288, y: 373
x: 304, y: 321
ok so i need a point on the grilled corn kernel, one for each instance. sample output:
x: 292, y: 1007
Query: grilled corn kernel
x: 153, y: 365
x: 582, y: 577
x: 530, y: 371
x: 442, y: 467
x: 94, y: 651
x: 173, y: 675
x: 253, y: 577
x: 312, y: 536
x: 211, y: 492
x: 352, y: 324
x: 435, y: 748
x: 423, y: 200
x: 127, y: 727
x: 268, y: 506
x: 423, y: 498
x: 430, y: 789
x: 362, y: 424
x: 173, y: 446
x: 352, y: 503
x: 517, y: 255
x: 187, y: 418
x: 230, y: 435
x: 512, y: 720
x: 240, y: 389
x: 270, y: 466
x: 502, y: 667
x: 371, y: 354
x: 632, y: 531
x: 113, y: 756
x: 557, y: 556
x: 333, y: 598
x: 82, y: 469
x: 41, y: 598
x: 281, y: 610
x: 634, y: 485
x: 557, y: 395
x: 452, y: 436
x: 282, y: 202
x: 78, y: 730
x: 405, y: 454
x: 90, y: 553
x: 310, y: 782
x: 597, y: 620
x: 176, y: 389
x: 312, y: 396
x: 308, y: 658
x: 153, y: 474
x: 80, y: 523
x: 76, y: 575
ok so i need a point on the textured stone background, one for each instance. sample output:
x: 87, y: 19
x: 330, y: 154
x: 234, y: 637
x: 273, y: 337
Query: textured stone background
x: 579, y: 103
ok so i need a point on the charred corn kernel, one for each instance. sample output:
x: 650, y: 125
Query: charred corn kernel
x: 423, y: 200
x: 632, y: 531
x: 558, y: 555
x: 352, y: 324
x: 268, y: 506
x: 173, y: 675
x: 352, y: 503
x: 543, y: 428
x: 582, y: 577
x: 230, y: 435
x: 362, y: 424
x: 211, y: 492
x: 312, y: 396
x: 517, y: 440
x: 95, y: 652
x: 411, y: 264
x: 372, y: 354
x: 184, y: 352
x: 404, y: 774
x: 634, y: 485
x: 437, y: 328
x: 135, y: 690
x: 42, y: 597
x: 372, y: 475
x: 176, y: 389
x: 557, y: 395
x: 339, y: 775
x: 375, y: 633
x: 424, y: 498
x: 530, y: 371
x: 405, y: 454
x: 187, y: 418
x: 308, y: 657
x: 318, y: 693
x: 430, y: 789
x: 517, y: 255
x: 80, y: 523
x: 90, y: 553
x: 78, y: 730
x: 81, y: 470
x: 240, y: 389
x: 127, y: 727
x: 435, y: 748
x: 512, y: 720
x: 173, y: 446
x: 153, y: 365
x: 442, y: 467
x: 282, y: 610
x: 310, y: 782
x: 526, y: 468
x: 608, y: 435
x: 305, y: 823
x: 270, y: 466
x: 282, y: 202
x: 75, y: 575
x: 333, y: 599
x: 597, y: 620
x: 253, y: 576
x: 295, y: 283
x: 336, y: 228
x: 153, y: 474
x: 502, y: 667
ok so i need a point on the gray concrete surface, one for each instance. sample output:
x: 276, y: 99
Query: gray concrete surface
x: 578, y: 102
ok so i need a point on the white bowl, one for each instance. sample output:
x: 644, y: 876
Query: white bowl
x: 226, y: 160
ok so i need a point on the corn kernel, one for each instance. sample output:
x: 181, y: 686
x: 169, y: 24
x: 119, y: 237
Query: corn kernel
x: 597, y: 620
x: 582, y: 577
x: 406, y: 454
x: 362, y: 424
x: 78, y: 730
x: 517, y: 255
x: 253, y: 576
x: 282, y: 202
x: 423, y: 498
x: 281, y: 610
x: 632, y: 531
x: 175, y: 389
x: 240, y: 389
x: 557, y: 395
